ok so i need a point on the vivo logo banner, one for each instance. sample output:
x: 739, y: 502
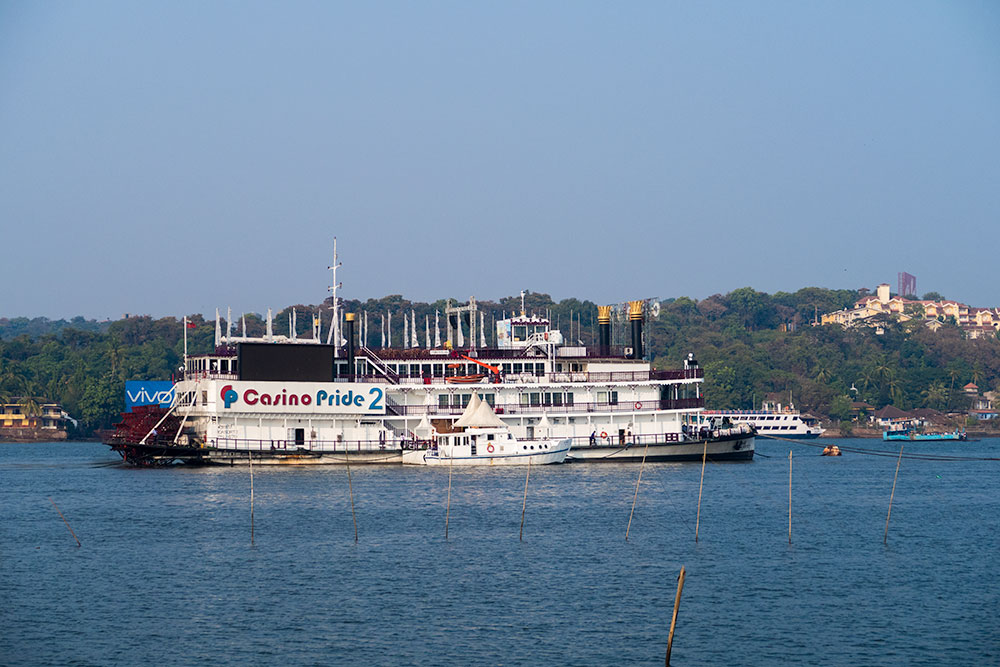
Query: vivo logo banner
x: 345, y: 398
x: 148, y: 392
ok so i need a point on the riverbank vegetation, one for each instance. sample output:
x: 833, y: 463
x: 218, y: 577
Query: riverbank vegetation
x: 749, y: 343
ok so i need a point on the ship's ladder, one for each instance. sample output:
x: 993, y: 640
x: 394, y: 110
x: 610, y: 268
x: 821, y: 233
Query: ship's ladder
x: 380, y: 366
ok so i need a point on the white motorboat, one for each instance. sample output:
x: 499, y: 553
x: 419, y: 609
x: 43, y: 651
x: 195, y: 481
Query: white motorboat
x: 483, y: 438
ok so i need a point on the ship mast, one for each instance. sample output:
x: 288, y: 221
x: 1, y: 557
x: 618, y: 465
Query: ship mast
x: 334, y: 333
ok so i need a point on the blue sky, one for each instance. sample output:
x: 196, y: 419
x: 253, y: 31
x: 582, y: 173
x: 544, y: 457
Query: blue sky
x: 172, y: 157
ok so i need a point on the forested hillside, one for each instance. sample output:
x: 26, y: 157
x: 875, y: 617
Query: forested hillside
x: 749, y: 343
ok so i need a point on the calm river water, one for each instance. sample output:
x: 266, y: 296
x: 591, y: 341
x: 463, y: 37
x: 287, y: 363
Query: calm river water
x: 167, y: 574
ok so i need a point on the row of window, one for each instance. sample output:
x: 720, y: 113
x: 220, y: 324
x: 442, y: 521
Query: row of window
x: 461, y: 400
x: 438, y: 370
x: 556, y: 398
x: 533, y: 398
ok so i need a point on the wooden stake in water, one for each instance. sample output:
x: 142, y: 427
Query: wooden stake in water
x: 250, y: 457
x: 885, y: 538
x: 447, y: 511
x: 636, y: 496
x: 673, y: 620
x: 524, y: 503
x: 789, y: 496
x: 350, y: 490
x: 65, y: 522
x: 697, y: 520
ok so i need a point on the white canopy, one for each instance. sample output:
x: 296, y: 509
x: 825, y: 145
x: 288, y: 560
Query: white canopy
x: 424, y: 428
x: 479, y: 414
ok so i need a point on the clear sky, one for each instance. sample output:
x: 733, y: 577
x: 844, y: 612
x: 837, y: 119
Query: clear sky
x: 174, y: 157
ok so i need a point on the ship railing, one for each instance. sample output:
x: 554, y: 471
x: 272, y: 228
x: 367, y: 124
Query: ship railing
x: 607, y: 438
x: 209, y: 375
x: 561, y: 377
x: 565, y: 408
x: 599, y: 438
x: 318, y: 446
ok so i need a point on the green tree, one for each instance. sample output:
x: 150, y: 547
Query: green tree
x: 935, y: 396
x: 840, y: 408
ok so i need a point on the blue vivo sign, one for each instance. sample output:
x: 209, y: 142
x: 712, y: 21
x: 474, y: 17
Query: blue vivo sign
x: 148, y: 392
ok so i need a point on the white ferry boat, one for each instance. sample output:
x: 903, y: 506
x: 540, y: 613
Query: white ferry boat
x: 288, y: 400
x: 773, y: 420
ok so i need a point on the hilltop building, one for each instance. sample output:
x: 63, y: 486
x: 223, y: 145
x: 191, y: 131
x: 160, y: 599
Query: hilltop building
x: 975, y: 321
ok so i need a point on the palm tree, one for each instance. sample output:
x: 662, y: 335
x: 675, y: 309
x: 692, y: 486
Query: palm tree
x: 895, y: 389
x: 953, y: 374
x: 30, y: 407
x: 868, y: 380
x: 823, y: 374
x: 114, y: 354
x: 935, y: 395
x: 882, y: 368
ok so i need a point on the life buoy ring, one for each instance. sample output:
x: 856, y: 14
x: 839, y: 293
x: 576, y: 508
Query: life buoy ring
x: 489, y: 448
x: 604, y: 434
x: 638, y: 405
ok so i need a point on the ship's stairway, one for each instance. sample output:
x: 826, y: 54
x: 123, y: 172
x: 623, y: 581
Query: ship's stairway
x: 380, y: 366
x: 392, y: 407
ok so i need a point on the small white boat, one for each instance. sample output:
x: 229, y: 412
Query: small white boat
x: 483, y: 439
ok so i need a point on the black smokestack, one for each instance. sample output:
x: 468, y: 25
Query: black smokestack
x: 604, y: 331
x: 635, y: 317
x: 349, y: 335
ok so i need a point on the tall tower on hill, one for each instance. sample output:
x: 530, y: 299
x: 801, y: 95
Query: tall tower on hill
x: 907, y: 284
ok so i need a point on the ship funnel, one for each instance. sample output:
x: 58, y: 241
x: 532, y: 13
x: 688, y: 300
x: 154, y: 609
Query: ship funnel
x: 604, y: 330
x: 349, y: 335
x: 635, y: 317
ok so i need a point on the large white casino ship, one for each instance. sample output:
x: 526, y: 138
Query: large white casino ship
x: 287, y: 400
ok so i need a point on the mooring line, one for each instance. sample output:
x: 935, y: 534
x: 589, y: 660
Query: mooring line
x: 878, y: 452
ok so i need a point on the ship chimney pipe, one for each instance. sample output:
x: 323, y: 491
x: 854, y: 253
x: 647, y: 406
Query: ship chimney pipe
x: 349, y: 335
x: 635, y: 317
x: 604, y: 331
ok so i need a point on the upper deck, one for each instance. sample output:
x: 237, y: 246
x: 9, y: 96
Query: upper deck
x: 430, y: 367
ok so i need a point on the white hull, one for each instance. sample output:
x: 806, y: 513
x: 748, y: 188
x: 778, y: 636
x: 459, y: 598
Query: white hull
x: 554, y: 451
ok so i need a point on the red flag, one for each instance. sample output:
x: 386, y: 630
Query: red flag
x: 192, y: 325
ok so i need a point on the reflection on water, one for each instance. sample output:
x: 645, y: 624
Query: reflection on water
x: 167, y: 574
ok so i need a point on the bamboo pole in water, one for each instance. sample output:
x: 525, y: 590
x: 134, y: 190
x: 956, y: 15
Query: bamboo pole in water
x: 350, y: 490
x: 250, y: 458
x: 789, y: 496
x: 673, y: 620
x: 636, y: 496
x: 65, y: 522
x: 447, y: 511
x: 524, y: 503
x: 885, y: 538
x: 697, y: 520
